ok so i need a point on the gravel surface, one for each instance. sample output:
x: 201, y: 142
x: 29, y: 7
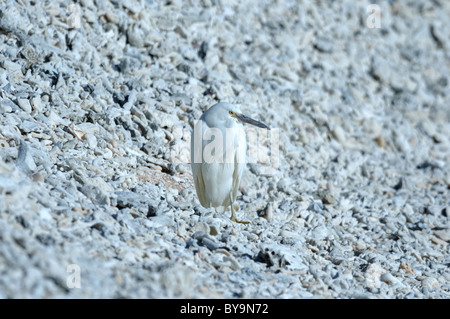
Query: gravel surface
x: 97, y: 102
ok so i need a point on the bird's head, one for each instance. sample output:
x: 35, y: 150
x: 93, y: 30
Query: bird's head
x: 228, y: 115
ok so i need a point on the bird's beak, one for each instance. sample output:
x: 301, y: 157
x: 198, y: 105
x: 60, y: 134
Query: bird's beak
x: 246, y: 119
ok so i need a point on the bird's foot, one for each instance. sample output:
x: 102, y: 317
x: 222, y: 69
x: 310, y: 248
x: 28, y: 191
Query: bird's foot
x: 233, y: 214
x: 233, y: 219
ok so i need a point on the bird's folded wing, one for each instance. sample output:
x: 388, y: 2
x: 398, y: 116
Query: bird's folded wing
x: 200, y: 184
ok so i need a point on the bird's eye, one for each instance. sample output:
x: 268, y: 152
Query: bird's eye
x: 231, y: 112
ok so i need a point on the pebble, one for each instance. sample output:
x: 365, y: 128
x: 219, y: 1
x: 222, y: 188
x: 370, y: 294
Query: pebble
x: 36, y: 102
x: 201, y: 227
x: 24, y: 105
x: 91, y: 140
x: 430, y: 283
x: 443, y: 235
x: 112, y: 17
x: 389, y: 279
x: 319, y: 233
x: 25, y: 160
x: 142, y: 203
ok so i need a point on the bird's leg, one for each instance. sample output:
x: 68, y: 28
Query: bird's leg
x: 233, y: 214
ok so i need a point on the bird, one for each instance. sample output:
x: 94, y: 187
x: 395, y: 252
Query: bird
x: 218, y: 163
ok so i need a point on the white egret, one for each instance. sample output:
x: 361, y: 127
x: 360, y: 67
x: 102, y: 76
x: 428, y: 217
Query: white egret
x: 217, y: 164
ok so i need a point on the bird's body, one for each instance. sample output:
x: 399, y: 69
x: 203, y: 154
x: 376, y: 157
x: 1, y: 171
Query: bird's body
x: 218, y: 177
x: 218, y: 147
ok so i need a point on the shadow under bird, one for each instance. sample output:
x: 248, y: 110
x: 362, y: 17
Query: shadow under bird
x: 218, y: 155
